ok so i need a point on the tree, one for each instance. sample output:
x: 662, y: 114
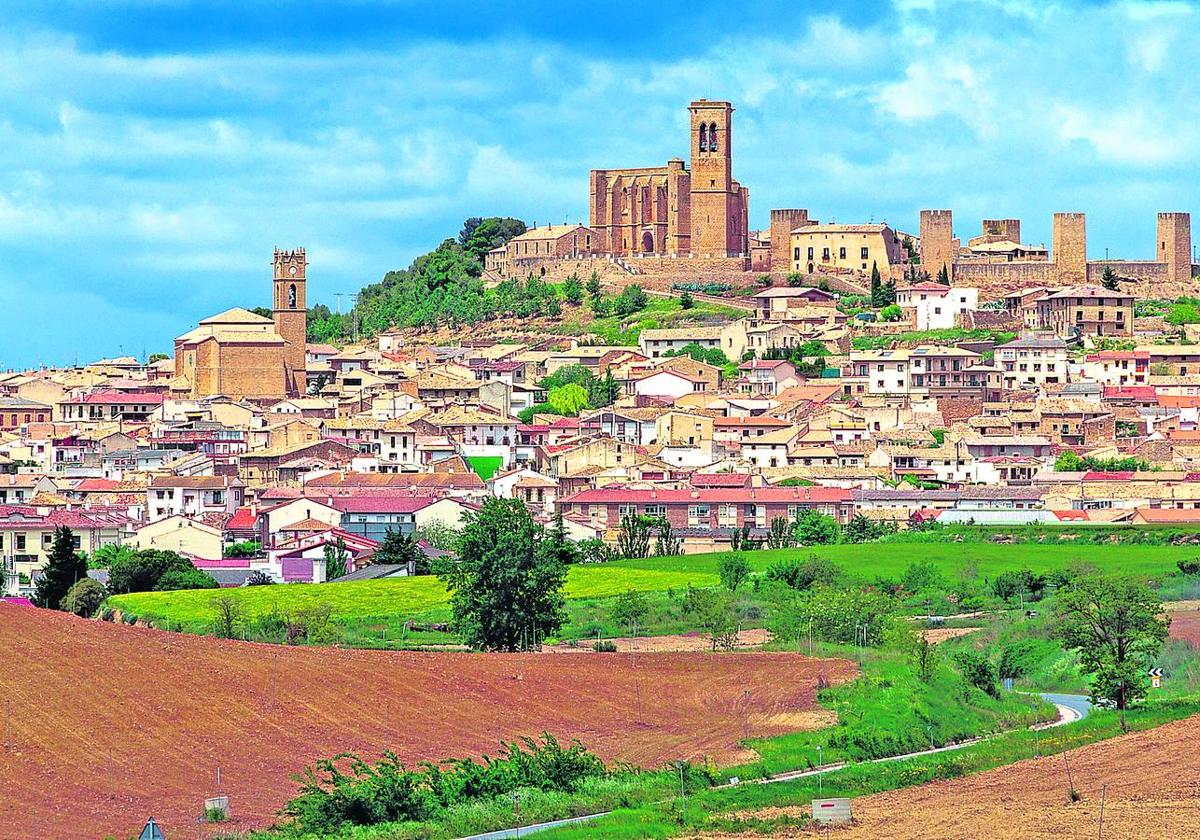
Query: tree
x: 665, y: 543
x: 84, y: 598
x: 1109, y: 279
x: 630, y: 609
x: 1068, y: 461
x: 713, y: 612
x: 740, y: 539
x: 557, y: 546
x: 685, y: 300
x: 876, y: 287
x: 400, y: 549
x: 733, y: 571
x: 632, y: 299
x: 891, y: 312
x: 568, y: 400
x: 189, y: 577
x: 104, y: 556
x: 780, y: 533
x: 815, y: 528
x: 229, y: 616
x: 573, y: 290
x: 795, y: 279
x: 634, y: 539
x: 64, y: 568
x: 593, y: 289
x: 978, y: 671
x: 506, y: 585
x: 943, y: 276
x: 336, y: 558
x: 142, y: 571
x: 1117, y: 626
x: 923, y: 655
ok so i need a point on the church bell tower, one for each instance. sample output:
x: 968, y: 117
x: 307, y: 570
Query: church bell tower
x: 291, y: 316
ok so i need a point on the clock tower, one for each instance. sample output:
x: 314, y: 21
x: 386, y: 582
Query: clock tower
x: 291, y: 317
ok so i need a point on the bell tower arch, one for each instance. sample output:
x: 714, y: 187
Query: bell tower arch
x: 291, y: 316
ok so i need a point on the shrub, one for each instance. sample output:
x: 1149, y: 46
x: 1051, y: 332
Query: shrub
x: 1190, y: 567
x: 804, y: 574
x: 346, y: 791
x: 604, y: 646
x: 142, y: 571
x: 733, y: 571
x: 595, y: 550
x: 259, y: 578
x: 84, y: 598
x: 978, y: 671
x: 189, y: 578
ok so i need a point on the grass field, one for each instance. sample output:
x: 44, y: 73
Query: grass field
x: 390, y: 603
x: 394, y: 600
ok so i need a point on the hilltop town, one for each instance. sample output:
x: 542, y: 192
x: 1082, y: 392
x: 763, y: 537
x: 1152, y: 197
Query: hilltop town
x: 663, y: 360
x: 798, y: 500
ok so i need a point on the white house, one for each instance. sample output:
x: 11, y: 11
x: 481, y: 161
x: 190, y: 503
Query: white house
x: 935, y: 306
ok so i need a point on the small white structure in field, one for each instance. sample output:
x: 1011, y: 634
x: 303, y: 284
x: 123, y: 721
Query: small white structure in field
x: 831, y: 811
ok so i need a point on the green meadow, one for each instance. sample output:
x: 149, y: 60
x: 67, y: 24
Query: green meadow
x: 386, y: 605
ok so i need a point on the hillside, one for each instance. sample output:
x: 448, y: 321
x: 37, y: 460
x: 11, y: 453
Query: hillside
x: 110, y: 724
x: 1150, y: 781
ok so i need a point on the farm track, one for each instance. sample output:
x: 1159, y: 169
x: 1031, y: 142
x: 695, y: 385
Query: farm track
x: 110, y: 724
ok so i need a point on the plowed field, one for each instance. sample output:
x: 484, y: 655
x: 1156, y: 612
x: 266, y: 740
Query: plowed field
x: 1185, y: 624
x: 105, y: 725
x: 1150, y: 782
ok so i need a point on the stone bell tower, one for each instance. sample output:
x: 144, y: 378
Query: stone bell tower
x: 291, y: 316
x: 715, y: 196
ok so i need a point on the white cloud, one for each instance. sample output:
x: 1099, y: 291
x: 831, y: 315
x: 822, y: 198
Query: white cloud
x: 178, y: 173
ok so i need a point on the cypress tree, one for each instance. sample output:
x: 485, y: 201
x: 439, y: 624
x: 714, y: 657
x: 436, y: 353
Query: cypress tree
x: 63, y: 569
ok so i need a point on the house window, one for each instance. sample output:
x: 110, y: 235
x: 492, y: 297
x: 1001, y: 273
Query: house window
x: 865, y: 253
x: 656, y: 510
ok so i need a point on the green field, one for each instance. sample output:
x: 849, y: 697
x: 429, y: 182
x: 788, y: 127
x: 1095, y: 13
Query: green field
x: 390, y: 603
x: 393, y: 600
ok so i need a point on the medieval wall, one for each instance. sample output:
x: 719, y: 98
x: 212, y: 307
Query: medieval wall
x: 937, y: 242
x: 1069, y: 248
x: 783, y: 222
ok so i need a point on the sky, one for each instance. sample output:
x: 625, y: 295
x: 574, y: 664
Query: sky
x: 154, y: 152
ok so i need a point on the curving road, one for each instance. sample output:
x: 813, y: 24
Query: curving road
x: 1071, y: 707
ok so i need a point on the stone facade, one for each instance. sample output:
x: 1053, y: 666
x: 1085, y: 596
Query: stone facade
x: 1069, y: 247
x: 1175, y: 245
x: 671, y: 210
x: 291, y: 316
x: 998, y: 230
x: 242, y: 355
x: 783, y: 222
x: 937, y: 242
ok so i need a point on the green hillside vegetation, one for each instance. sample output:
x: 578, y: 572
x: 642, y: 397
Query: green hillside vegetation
x: 375, y: 613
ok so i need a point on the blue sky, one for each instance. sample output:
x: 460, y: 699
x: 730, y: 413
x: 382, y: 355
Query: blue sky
x: 152, y: 153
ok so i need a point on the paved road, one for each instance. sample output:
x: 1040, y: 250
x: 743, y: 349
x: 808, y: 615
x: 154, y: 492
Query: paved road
x: 1071, y: 707
x: 1077, y: 704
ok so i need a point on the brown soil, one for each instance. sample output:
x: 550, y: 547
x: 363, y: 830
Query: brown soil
x: 942, y: 634
x: 682, y: 643
x: 1185, y: 624
x: 105, y: 725
x: 1150, y: 782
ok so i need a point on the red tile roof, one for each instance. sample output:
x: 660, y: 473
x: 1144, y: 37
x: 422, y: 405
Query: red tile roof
x: 720, y: 479
x: 118, y: 398
x: 763, y: 364
x: 1166, y: 515
x: 381, y: 503
x: 1096, y: 475
x: 243, y: 519
x: 779, y: 495
x: 1130, y: 392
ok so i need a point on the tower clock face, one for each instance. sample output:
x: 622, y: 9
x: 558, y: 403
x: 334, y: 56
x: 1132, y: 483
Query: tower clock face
x: 292, y: 270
